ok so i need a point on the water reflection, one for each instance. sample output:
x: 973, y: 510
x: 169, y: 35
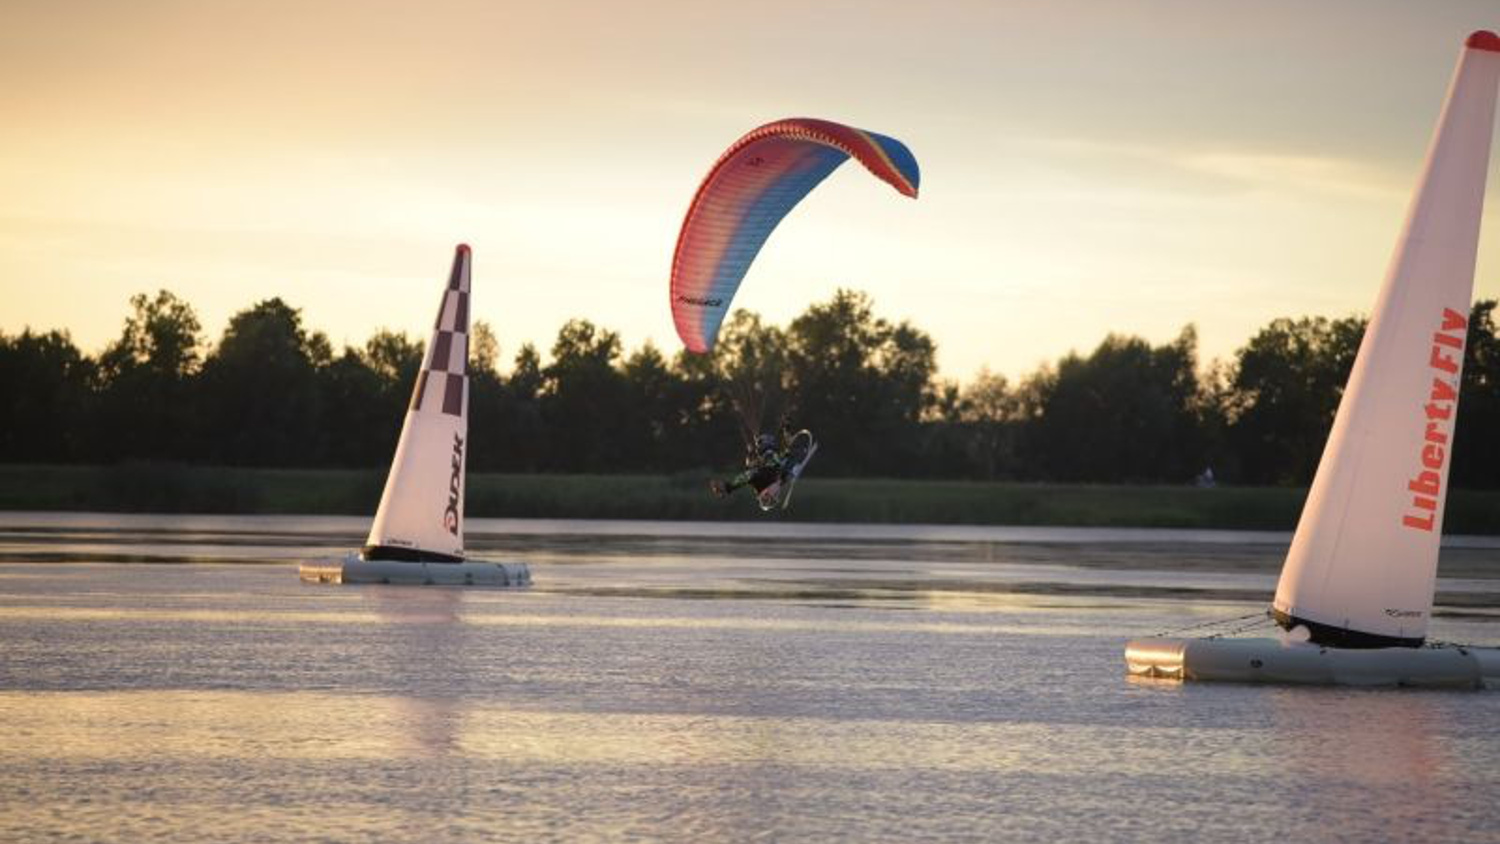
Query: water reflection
x: 423, y: 633
x: 686, y: 691
x: 310, y: 726
x: 747, y: 622
x: 1339, y: 747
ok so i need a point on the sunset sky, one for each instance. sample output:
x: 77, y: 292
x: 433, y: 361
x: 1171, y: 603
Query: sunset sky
x: 1117, y: 165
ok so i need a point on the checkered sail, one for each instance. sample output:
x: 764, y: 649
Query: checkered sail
x: 421, y: 511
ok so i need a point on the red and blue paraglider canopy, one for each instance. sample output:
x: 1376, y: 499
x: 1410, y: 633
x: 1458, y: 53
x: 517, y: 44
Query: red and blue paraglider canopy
x: 753, y: 185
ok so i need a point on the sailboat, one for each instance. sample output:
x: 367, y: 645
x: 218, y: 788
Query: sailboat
x: 418, y: 533
x: 1356, y: 590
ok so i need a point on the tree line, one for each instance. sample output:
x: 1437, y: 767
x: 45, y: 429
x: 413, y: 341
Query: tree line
x: 272, y: 392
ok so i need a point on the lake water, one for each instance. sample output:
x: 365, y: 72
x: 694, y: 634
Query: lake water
x: 170, y: 679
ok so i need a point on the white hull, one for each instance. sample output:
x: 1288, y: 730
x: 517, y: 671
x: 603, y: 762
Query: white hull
x: 1300, y: 663
x: 355, y: 569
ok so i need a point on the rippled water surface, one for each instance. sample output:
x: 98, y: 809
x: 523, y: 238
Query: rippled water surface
x: 170, y: 679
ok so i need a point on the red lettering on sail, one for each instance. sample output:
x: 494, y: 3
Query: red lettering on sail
x: 1434, y: 435
x: 1442, y: 360
x: 1426, y: 484
x: 1432, y: 457
x: 1418, y: 523
x: 1454, y: 321
x: 1443, y: 391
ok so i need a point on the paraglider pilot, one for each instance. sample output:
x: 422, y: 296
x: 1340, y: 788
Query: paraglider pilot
x: 767, y: 461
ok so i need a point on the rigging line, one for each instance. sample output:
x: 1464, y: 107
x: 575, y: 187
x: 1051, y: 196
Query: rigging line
x: 1212, y: 623
x: 1438, y: 644
x: 1244, y: 628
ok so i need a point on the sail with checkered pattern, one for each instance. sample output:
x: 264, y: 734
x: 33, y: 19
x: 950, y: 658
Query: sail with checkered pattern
x: 421, y: 510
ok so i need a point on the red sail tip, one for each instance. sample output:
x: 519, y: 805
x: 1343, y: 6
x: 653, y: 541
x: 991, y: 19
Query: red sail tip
x: 1484, y: 40
x: 463, y: 248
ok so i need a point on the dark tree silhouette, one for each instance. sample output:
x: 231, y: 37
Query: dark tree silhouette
x: 989, y: 411
x: 272, y: 393
x: 261, y: 404
x: 45, y: 396
x: 584, y: 400
x: 1127, y: 412
x: 863, y: 382
x: 146, y: 384
x: 1284, y: 393
x: 1476, y: 438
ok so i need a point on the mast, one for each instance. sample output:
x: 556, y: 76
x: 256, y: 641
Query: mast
x: 1363, y: 563
x: 421, y: 510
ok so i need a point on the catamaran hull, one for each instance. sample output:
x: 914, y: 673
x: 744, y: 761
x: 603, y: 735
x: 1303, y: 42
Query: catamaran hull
x: 1272, y: 661
x: 355, y: 569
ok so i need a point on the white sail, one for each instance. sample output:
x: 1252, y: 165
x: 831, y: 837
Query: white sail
x: 421, y: 511
x: 1362, y: 566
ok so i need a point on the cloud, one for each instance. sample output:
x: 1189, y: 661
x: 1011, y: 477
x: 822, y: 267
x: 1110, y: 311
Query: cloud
x: 1290, y: 173
x: 1168, y: 170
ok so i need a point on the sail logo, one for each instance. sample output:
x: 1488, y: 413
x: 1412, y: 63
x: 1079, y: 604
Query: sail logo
x: 700, y: 301
x: 1446, y: 361
x: 450, y: 515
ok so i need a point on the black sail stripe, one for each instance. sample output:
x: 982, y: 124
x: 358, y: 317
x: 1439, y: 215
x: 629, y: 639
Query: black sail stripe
x: 442, y: 348
x: 455, y: 278
x: 406, y: 555
x: 461, y: 313
x: 453, y: 395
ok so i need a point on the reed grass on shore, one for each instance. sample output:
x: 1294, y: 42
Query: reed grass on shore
x: 168, y: 488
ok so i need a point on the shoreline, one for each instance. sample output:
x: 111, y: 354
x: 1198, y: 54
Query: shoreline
x: 951, y: 507
x: 491, y: 528
x: 1468, y: 568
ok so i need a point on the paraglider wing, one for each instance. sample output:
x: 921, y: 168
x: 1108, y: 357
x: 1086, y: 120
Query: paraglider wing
x: 751, y: 187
